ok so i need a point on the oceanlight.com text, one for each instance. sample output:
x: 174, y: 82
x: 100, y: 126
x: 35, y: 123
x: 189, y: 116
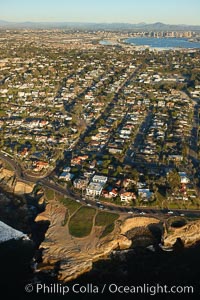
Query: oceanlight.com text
x: 108, y: 289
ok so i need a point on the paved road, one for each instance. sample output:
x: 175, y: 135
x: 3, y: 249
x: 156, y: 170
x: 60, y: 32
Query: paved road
x: 48, y: 183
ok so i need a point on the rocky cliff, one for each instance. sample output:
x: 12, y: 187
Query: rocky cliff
x: 189, y: 234
x: 76, y: 255
x: 72, y: 256
x: 9, y: 181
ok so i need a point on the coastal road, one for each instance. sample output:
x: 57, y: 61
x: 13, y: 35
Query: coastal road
x: 43, y: 180
x: 132, y: 211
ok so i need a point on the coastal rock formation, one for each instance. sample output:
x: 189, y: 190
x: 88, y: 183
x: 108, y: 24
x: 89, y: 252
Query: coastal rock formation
x: 137, y: 222
x: 76, y: 255
x: 189, y: 234
x: 6, y: 174
x: 8, y: 179
x: 22, y: 188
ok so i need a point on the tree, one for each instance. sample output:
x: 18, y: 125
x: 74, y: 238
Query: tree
x: 118, y: 170
x: 106, y: 163
x: 135, y: 175
x: 104, y: 171
x: 185, y: 150
x: 87, y: 139
x: 173, y: 180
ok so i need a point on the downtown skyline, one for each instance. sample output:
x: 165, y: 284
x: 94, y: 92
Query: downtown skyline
x: 110, y: 11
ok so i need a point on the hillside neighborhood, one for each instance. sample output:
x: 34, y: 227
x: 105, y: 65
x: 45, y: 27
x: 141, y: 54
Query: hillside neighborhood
x: 114, y: 123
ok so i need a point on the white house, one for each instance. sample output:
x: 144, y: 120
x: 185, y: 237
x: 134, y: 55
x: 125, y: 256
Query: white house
x: 94, y: 189
x: 184, y: 178
x: 100, y: 179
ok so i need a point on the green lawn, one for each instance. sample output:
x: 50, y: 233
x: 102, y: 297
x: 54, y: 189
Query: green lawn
x: 71, y: 205
x: 108, y: 229
x: 49, y: 194
x: 107, y: 220
x: 81, y: 223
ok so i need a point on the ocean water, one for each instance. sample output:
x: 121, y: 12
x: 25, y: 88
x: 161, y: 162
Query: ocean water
x: 169, y: 43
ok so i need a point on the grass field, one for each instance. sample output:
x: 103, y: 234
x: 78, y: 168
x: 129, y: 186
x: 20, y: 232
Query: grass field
x: 81, y: 218
x: 80, y: 224
x: 71, y: 205
x: 108, y: 229
x: 107, y: 220
x: 49, y: 194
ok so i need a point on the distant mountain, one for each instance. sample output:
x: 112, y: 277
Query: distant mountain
x: 2, y: 22
x: 158, y: 26
x: 167, y: 27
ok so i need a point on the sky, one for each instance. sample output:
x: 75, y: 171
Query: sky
x: 123, y: 11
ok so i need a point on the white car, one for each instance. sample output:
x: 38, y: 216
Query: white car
x: 77, y: 200
x: 88, y: 204
x: 142, y: 213
x: 130, y: 212
x: 170, y: 212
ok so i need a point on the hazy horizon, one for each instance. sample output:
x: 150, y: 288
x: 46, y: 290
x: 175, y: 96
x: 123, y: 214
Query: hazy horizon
x: 175, y: 12
x: 88, y: 22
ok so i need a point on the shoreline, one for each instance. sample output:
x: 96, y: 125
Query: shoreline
x: 128, y: 41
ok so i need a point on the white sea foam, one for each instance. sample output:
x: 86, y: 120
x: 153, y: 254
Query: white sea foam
x: 8, y: 233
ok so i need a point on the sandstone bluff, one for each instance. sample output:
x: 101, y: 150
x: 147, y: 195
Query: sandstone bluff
x: 77, y: 255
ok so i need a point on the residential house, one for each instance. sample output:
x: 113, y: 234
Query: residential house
x: 184, y: 178
x: 110, y: 193
x: 127, y: 197
x: 145, y: 194
x: 94, y: 189
x: 24, y: 153
x: 66, y: 176
x: 78, y: 160
x: 40, y: 165
x: 80, y: 183
x: 99, y: 179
